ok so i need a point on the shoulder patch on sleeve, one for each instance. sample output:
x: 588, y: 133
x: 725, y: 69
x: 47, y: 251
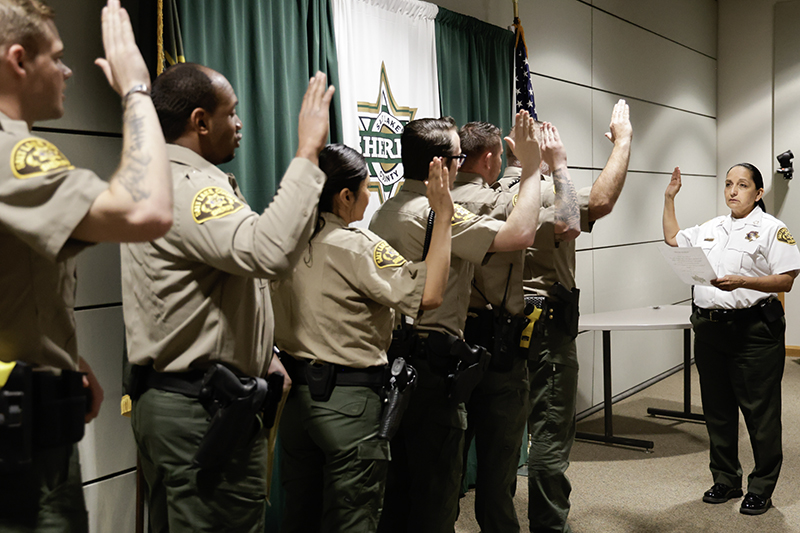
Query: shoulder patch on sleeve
x: 461, y: 214
x: 785, y: 236
x: 514, y: 200
x: 33, y: 157
x: 214, y: 202
x: 386, y: 256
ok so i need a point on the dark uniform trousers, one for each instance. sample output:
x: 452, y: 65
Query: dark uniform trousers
x: 53, y: 485
x: 741, y: 364
x: 168, y: 428
x: 553, y: 374
x: 334, y: 467
x: 425, y: 472
x: 496, y: 414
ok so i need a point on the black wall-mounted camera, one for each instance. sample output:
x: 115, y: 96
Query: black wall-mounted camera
x: 785, y: 161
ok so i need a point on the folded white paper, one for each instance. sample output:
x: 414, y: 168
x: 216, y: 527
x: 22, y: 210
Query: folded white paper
x: 690, y: 264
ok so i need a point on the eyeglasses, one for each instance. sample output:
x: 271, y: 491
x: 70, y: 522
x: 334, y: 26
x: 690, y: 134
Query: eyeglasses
x: 460, y: 157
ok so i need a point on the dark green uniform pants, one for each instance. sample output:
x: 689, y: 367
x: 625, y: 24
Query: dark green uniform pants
x: 425, y: 473
x: 168, y: 428
x: 333, y: 466
x: 741, y: 366
x: 47, y: 498
x: 553, y: 370
x: 496, y: 414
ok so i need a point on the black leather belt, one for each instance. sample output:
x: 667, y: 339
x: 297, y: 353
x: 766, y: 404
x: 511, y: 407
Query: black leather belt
x: 755, y: 312
x: 373, y: 376
x: 186, y: 383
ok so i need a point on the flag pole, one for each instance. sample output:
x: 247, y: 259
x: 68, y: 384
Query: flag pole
x: 516, y: 9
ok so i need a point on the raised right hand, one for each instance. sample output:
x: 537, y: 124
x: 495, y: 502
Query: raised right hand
x: 674, y: 184
x: 123, y: 65
x: 524, y: 144
x: 553, y: 151
x: 438, y: 193
x: 312, y: 129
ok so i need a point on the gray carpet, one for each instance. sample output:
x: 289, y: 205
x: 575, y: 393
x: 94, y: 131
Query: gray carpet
x: 622, y: 490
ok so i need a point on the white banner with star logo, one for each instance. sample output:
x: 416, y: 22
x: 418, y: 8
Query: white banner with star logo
x: 387, y: 77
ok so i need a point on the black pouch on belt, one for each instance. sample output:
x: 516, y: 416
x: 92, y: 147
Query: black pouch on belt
x: 397, y: 391
x: 16, y: 419
x: 233, y: 403
x: 321, y: 379
x: 771, y: 309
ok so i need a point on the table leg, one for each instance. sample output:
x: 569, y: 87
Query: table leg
x: 609, y: 437
x: 687, y: 413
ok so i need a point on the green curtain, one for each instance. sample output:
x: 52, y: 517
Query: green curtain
x: 476, y: 65
x: 268, y: 50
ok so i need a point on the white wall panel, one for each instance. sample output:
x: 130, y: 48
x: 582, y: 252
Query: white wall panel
x: 91, y: 104
x: 108, y: 445
x: 99, y: 154
x: 558, y: 34
x: 629, y: 60
x: 99, y: 276
x: 112, y: 504
x: 663, y: 138
x: 628, y: 277
x: 638, y: 212
x: 696, y: 27
x: 569, y: 107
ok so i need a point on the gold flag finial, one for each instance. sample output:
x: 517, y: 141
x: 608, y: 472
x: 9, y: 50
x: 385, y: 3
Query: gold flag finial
x: 516, y: 9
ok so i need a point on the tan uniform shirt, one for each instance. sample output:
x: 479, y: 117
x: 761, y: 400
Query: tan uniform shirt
x: 193, y: 296
x: 338, y: 304
x: 402, y: 221
x: 42, y: 199
x: 499, y: 279
x: 547, y: 261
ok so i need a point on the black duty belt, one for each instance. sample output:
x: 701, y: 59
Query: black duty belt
x: 756, y: 312
x: 373, y: 376
x: 187, y: 383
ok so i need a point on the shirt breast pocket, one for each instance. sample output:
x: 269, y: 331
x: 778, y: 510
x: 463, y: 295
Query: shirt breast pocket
x: 746, y: 258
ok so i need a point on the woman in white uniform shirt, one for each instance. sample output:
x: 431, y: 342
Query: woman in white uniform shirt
x: 336, y: 311
x: 739, y: 332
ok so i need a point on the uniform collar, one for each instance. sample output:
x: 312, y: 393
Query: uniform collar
x: 186, y: 156
x: 330, y: 218
x: 512, y: 172
x: 415, y: 186
x: 16, y: 127
x: 752, y: 219
x: 470, y: 177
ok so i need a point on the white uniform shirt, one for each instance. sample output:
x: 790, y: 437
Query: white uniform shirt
x: 756, y: 245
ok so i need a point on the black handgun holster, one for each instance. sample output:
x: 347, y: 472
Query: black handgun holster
x: 466, y: 363
x: 566, y: 307
x: 233, y: 403
x: 402, y: 381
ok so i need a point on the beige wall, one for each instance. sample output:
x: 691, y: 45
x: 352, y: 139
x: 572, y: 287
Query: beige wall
x: 661, y: 57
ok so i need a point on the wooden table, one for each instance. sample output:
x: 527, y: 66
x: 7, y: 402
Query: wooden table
x: 644, y: 318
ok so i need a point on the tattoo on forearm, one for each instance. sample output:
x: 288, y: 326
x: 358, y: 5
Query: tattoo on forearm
x: 132, y: 171
x: 566, y: 204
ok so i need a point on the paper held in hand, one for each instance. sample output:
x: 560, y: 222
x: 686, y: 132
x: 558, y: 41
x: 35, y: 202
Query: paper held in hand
x: 690, y: 264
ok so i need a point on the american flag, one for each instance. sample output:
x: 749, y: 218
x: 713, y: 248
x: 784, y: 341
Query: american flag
x: 522, y: 73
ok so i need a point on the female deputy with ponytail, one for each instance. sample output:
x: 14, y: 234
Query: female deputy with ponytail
x: 334, y: 318
x: 739, y: 332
